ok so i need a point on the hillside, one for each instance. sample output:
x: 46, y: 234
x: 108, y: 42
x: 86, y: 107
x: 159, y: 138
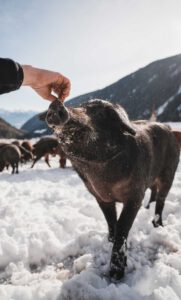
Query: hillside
x: 158, y: 86
x: 16, y: 118
x: 7, y: 131
x: 35, y: 127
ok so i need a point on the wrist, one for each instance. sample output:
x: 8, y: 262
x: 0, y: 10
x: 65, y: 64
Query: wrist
x: 29, y: 75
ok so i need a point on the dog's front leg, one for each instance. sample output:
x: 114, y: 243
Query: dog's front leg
x: 124, y: 223
x: 109, y: 211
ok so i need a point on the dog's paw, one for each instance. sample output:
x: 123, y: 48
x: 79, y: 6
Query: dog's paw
x: 157, y: 221
x: 118, y: 263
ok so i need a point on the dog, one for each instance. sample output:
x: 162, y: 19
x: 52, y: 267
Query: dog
x: 118, y: 160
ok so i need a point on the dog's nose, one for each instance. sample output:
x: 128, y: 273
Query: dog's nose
x: 52, y: 118
x: 57, y: 114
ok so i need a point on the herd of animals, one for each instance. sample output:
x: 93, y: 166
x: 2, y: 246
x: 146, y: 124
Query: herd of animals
x: 15, y: 153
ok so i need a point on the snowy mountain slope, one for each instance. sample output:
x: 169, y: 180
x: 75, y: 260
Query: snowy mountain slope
x: 149, y: 87
x: 8, y: 131
x: 53, y: 242
x: 36, y: 127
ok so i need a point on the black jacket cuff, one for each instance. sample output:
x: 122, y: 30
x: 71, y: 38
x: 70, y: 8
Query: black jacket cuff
x: 11, y: 75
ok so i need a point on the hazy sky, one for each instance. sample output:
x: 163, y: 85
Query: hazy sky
x: 93, y: 42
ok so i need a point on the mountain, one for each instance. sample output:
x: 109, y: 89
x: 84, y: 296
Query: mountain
x: 16, y: 118
x: 7, y: 131
x: 35, y: 127
x: 156, y: 86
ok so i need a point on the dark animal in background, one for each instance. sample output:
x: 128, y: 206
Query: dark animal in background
x: 16, y: 142
x: 26, y: 155
x: 46, y: 146
x: 27, y: 145
x: 43, y: 148
x: 9, y: 155
x: 118, y: 160
x: 3, y: 144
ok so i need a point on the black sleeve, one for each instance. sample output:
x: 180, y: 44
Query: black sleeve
x: 11, y: 75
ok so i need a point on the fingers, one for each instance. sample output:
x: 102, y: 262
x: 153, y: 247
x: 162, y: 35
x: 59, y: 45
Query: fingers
x: 51, y: 97
x: 62, y: 88
x: 45, y: 93
x: 66, y: 90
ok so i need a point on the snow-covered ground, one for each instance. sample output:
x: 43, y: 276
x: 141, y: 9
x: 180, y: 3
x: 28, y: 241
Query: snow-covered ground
x: 53, y: 242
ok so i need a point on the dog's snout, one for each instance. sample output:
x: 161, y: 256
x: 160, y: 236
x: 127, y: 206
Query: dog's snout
x: 57, y: 114
x: 52, y: 118
x: 61, y: 114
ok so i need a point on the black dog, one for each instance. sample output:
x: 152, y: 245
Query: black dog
x: 118, y: 160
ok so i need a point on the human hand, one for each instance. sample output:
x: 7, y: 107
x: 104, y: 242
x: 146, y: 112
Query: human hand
x: 46, y: 82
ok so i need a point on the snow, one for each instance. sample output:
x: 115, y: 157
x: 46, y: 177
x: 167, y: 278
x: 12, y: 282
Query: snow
x: 40, y: 130
x: 175, y: 69
x: 53, y: 242
x: 161, y: 109
x: 179, y: 90
x: 152, y: 78
x: 175, y: 125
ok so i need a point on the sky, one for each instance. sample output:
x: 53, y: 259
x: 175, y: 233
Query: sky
x: 93, y: 42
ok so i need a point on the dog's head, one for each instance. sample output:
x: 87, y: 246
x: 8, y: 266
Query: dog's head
x: 102, y: 115
x: 89, y: 128
x: 106, y: 116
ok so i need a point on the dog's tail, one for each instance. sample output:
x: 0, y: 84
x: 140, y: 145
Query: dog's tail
x: 178, y: 136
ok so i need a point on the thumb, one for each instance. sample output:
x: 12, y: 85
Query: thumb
x: 51, y: 97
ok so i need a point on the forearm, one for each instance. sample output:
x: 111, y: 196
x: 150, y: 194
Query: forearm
x: 11, y: 75
x: 35, y: 77
x: 30, y: 75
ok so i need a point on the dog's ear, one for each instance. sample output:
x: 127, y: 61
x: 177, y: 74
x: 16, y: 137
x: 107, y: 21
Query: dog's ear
x: 109, y: 116
x: 42, y: 116
x: 125, y: 123
x: 119, y: 119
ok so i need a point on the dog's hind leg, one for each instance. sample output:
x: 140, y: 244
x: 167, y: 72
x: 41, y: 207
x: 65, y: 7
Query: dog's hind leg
x: 160, y: 202
x: 154, y: 192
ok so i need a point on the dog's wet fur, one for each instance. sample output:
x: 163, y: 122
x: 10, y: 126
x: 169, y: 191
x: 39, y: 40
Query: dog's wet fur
x: 118, y: 160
